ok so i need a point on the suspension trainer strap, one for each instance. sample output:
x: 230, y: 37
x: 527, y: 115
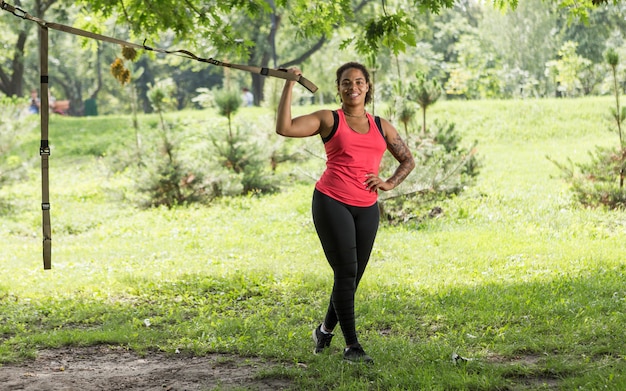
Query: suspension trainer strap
x: 44, y: 149
x: 279, y: 73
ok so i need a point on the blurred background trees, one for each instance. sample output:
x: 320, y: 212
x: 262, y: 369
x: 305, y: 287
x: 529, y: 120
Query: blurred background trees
x: 474, y: 50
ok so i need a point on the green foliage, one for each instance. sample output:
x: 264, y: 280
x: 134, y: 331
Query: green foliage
x: 204, y: 98
x: 406, y: 114
x: 425, y: 92
x: 150, y: 18
x: 618, y: 113
x: 436, y: 6
x: 239, y: 150
x: 161, y: 95
x: 402, y: 106
x: 245, y: 154
x: 443, y: 168
x: 597, y: 194
x: 578, y: 9
x: 467, y: 45
x: 239, y: 162
x: 395, y: 31
x: 598, y: 182
x: 601, y: 181
x: 14, y: 123
x: 612, y: 58
x: 317, y: 18
x: 312, y: 18
x: 165, y: 178
x: 567, y: 69
x: 228, y: 102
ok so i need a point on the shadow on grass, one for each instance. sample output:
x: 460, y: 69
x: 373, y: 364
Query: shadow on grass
x: 562, y: 332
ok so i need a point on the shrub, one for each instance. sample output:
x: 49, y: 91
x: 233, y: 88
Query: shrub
x: 247, y: 156
x: 596, y: 183
x: 601, y: 181
x: 442, y: 168
x: 234, y: 161
x: 166, y: 179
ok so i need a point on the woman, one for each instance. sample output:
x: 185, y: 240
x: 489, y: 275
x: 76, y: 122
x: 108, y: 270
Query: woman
x: 345, y: 209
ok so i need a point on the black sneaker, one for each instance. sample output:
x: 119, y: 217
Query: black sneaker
x: 322, y: 340
x: 357, y: 354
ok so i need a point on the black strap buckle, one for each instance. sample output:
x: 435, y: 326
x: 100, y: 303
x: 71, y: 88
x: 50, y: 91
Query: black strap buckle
x: 44, y: 149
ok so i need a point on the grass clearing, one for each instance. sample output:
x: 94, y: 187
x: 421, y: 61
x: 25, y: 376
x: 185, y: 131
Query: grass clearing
x: 513, y: 276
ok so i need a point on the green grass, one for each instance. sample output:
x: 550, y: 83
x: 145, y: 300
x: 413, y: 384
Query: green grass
x: 514, y: 275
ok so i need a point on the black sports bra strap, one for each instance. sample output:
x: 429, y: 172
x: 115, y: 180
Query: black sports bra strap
x: 379, y: 125
x: 335, y: 126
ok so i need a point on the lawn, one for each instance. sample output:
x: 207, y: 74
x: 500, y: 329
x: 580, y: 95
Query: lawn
x: 514, y: 277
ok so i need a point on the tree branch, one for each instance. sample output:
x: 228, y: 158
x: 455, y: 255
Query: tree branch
x: 194, y: 9
x: 304, y: 56
x: 321, y: 41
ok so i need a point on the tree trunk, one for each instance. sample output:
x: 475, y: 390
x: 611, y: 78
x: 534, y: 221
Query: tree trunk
x: 13, y: 84
x: 94, y: 93
x: 258, y: 81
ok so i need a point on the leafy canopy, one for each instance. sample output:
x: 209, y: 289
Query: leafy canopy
x: 389, y: 24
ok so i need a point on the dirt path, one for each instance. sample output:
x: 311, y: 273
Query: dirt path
x: 106, y: 369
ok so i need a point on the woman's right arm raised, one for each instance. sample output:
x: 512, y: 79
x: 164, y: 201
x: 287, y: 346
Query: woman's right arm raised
x: 302, y: 126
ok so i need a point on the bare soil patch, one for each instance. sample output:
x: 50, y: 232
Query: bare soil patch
x: 102, y: 368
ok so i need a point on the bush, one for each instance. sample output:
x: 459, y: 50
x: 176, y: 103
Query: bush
x: 442, y: 168
x: 239, y: 150
x: 246, y: 156
x: 166, y: 179
x: 597, y: 183
x: 594, y: 194
x: 601, y: 181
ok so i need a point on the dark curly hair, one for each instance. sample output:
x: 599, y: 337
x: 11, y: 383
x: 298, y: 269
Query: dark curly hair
x: 362, y: 68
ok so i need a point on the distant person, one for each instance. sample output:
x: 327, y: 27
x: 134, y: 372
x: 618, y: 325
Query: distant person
x: 345, y: 200
x: 35, y: 103
x: 248, y: 97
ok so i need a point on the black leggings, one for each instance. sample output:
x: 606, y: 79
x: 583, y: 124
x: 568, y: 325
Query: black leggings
x: 347, y: 235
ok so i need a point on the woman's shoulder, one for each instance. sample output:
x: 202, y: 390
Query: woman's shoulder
x: 325, y: 116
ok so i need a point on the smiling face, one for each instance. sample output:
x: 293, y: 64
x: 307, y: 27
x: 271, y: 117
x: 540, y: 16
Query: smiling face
x: 353, y: 84
x: 353, y: 87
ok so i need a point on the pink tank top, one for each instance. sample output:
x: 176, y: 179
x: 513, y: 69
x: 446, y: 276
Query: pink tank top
x: 349, y: 157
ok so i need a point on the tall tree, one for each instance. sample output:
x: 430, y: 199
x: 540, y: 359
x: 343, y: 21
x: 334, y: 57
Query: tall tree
x: 12, y: 65
x: 525, y: 39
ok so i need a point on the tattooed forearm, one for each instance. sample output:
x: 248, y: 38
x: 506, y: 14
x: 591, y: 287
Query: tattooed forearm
x: 403, y: 155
